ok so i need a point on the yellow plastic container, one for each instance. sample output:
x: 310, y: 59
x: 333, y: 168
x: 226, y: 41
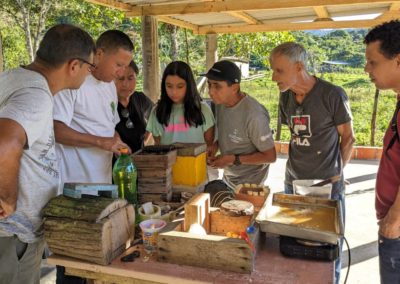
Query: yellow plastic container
x: 190, y: 170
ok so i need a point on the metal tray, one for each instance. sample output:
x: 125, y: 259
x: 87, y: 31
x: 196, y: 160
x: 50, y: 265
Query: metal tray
x: 304, y: 217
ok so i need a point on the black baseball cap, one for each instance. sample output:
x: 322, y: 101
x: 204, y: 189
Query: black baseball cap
x: 224, y: 70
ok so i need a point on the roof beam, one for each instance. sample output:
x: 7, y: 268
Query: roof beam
x: 392, y: 13
x: 245, y: 17
x: 178, y: 23
x: 235, y: 5
x: 279, y: 26
x: 321, y: 12
x: 395, y: 7
x: 112, y: 4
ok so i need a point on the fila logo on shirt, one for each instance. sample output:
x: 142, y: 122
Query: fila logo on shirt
x: 301, y: 129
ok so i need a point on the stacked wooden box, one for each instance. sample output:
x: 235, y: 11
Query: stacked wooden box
x: 91, y: 228
x: 154, y: 174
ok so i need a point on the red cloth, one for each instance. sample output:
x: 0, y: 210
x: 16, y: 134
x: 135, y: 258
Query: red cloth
x: 388, y: 177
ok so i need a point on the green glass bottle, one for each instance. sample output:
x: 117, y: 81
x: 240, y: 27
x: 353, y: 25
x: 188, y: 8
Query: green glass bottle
x: 125, y: 176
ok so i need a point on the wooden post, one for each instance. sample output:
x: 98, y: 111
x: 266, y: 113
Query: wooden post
x: 151, y: 65
x: 211, y: 50
x: 279, y: 122
x: 373, y: 119
x: 1, y: 54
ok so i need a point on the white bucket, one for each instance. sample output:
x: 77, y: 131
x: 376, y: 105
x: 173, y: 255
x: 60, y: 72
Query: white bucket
x: 303, y: 187
x: 150, y: 229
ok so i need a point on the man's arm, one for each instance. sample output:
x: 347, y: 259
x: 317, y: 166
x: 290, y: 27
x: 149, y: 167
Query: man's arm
x: 389, y: 226
x: 347, y: 140
x: 257, y: 158
x: 12, y: 142
x: 67, y: 136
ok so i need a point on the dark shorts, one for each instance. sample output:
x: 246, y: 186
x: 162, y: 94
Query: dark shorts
x: 20, y: 262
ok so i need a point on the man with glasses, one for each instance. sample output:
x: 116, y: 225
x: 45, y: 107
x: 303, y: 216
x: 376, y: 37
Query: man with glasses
x: 29, y: 173
x: 85, y: 119
x: 383, y: 67
x: 319, y: 118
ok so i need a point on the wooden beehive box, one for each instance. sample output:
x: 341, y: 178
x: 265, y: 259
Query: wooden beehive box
x: 154, y: 165
x: 91, y: 228
x: 213, y: 250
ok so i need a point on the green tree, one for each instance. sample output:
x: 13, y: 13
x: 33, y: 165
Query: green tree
x: 251, y: 45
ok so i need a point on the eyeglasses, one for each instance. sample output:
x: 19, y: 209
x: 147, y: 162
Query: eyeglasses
x: 129, y: 123
x: 92, y: 66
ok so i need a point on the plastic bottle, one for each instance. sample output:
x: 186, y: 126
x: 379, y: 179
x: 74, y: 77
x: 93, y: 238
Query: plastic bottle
x: 125, y: 176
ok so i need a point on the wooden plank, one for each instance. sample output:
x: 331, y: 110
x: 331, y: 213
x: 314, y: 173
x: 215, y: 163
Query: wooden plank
x: 105, y: 277
x: 155, y: 172
x: 234, y: 5
x: 88, y: 208
x: 155, y: 198
x: 190, y: 149
x: 112, y: 4
x: 197, y: 211
x: 245, y: 17
x: 321, y: 12
x: 282, y: 26
x: 209, y: 251
x: 176, y: 22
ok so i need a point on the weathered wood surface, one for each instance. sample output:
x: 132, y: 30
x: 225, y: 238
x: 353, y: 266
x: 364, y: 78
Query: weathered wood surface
x: 156, y: 172
x: 88, y: 208
x: 153, y: 161
x: 190, y: 149
x: 97, y: 240
x: 155, y: 198
x: 270, y: 268
x: 197, y: 211
x: 211, y: 251
x: 155, y: 188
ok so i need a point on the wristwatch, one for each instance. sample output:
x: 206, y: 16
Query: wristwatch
x: 237, y: 161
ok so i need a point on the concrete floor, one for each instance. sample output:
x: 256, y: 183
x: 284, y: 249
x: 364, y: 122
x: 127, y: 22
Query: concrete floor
x: 361, y: 227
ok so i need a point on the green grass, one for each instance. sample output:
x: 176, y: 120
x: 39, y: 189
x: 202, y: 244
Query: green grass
x: 361, y: 93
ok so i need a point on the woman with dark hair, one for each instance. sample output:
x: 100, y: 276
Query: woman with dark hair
x: 134, y: 109
x: 180, y: 115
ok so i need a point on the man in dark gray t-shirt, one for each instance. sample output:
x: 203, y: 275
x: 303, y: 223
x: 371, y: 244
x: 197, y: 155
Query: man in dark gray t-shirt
x: 319, y: 118
x: 244, y: 137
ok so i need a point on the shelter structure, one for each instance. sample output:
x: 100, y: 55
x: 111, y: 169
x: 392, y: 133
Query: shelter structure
x: 211, y: 17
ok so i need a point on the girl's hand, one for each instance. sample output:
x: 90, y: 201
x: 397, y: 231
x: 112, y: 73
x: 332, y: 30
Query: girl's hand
x: 389, y: 227
x: 212, y: 150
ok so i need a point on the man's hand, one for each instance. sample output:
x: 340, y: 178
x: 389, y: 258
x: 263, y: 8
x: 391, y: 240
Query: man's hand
x: 114, y: 144
x: 6, y: 209
x: 221, y: 161
x: 389, y: 227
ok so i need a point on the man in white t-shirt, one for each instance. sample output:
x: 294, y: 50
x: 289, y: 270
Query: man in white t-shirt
x: 29, y: 173
x: 85, y: 119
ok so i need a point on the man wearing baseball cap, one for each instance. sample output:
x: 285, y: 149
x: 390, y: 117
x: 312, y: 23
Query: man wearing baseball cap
x: 244, y: 137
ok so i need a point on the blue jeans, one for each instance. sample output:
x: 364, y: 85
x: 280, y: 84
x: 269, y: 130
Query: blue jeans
x: 337, y: 194
x: 389, y: 260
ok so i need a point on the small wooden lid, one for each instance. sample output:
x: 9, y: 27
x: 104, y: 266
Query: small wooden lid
x: 237, y: 208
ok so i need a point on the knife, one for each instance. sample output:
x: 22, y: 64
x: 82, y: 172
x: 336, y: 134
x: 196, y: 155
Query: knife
x: 327, y: 181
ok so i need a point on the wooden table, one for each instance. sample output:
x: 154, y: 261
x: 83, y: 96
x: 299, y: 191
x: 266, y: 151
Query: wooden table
x: 270, y: 267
